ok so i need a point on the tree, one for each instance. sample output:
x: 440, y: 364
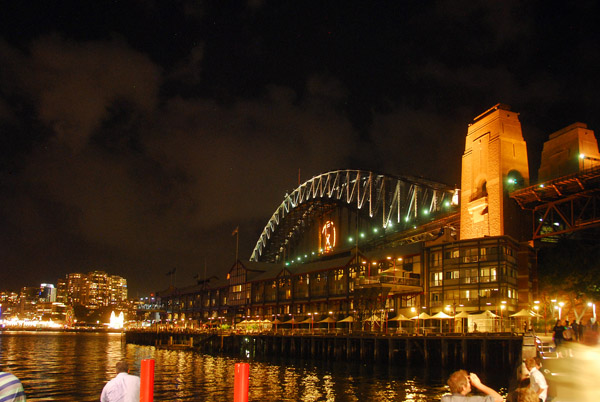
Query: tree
x: 571, y: 266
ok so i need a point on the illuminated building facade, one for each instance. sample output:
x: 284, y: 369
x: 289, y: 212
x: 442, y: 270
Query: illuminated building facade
x: 360, y: 243
x: 94, y: 290
x: 570, y: 150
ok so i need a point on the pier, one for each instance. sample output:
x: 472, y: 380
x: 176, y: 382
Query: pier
x: 452, y: 349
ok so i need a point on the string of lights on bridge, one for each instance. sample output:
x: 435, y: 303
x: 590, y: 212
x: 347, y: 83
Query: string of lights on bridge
x: 362, y: 236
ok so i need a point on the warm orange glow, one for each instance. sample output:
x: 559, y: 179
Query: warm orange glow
x: 328, y: 237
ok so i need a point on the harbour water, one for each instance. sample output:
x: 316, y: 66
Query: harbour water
x: 57, y: 366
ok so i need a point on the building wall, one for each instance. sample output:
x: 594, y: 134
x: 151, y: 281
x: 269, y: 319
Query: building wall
x: 561, y: 153
x: 494, y: 152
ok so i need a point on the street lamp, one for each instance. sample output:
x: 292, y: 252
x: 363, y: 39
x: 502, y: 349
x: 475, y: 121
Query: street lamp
x: 561, y: 304
x: 593, y: 306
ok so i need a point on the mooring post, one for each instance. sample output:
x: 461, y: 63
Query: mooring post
x: 147, y: 380
x: 240, y: 389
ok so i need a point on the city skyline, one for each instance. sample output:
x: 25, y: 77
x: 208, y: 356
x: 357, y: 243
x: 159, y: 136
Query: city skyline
x: 138, y: 136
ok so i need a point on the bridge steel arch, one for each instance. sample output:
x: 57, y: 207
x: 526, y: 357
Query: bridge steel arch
x: 398, y: 202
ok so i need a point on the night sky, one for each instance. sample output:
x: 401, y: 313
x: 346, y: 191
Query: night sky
x: 137, y: 135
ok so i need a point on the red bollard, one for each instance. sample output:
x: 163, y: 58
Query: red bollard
x: 147, y: 381
x: 240, y: 389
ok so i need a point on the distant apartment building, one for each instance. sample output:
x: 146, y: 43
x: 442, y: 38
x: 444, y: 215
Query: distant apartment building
x: 93, y: 290
x: 47, y: 292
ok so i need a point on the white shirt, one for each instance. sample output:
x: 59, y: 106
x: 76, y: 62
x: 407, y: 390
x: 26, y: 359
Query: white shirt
x: 539, y: 381
x: 122, y: 388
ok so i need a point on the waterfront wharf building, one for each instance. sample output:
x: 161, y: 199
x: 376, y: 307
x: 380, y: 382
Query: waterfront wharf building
x: 371, y: 246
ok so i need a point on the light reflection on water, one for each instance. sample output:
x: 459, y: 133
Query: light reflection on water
x: 75, y: 367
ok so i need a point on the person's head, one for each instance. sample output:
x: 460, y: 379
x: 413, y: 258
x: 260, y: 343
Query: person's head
x: 459, y: 382
x: 530, y: 363
x: 122, y: 367
x: 526, y: 394
x: 538, y: 361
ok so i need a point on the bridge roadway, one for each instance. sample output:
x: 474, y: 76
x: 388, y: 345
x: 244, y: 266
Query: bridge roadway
x: 504, y: 349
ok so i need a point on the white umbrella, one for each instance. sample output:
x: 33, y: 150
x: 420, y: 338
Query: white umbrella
x: 276, y: 322
x: 328, y: 320
x: 349, y: 320
x: 441, y: 316
x: 399, y: 317
x: 525, y: 314
x: 422, y: 316
x: 291, y: 321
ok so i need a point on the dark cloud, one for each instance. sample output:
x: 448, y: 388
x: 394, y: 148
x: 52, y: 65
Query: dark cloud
x: 137, y: 137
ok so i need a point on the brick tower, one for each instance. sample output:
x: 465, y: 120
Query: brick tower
x: 494, y: 163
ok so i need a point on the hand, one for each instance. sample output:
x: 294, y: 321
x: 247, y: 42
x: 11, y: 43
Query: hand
x: 475, y: 381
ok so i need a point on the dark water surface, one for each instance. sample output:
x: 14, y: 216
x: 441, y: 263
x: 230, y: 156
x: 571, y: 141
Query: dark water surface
x: 56, y: 366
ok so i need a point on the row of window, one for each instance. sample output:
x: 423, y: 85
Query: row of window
x: 470, y: 255
x: 472, y: 275
x: 466, y: 295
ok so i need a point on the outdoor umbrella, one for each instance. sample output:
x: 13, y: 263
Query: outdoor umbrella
x: 276, y: 322
x: 349, y: 320
x: 422, y: 316
x: 525, y: 314
x: 441, y: 316
x: 243, y: 323
x: 328, y: 320
x: 399, y: 317
x: 292, y: 321
x: 310, y: 320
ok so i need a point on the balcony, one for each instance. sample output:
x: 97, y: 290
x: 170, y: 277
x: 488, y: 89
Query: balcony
x: 396, y: 284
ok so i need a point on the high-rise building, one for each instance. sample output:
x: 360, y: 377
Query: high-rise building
x: 94, y: 290
x: 47, y: 292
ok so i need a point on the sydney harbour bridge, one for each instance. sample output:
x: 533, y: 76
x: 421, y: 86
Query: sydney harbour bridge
x: 362, y: 202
